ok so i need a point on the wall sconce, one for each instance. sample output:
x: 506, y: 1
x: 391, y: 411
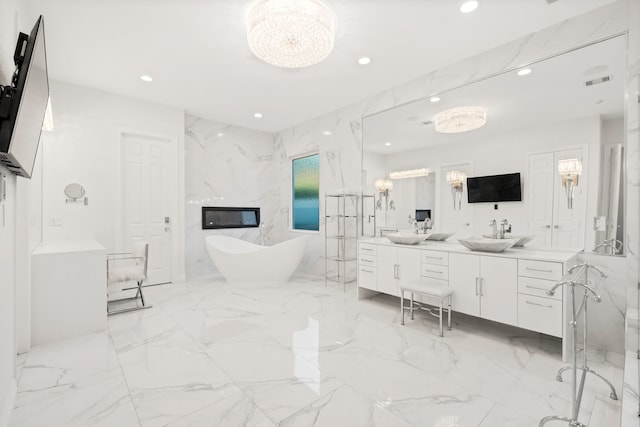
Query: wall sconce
x: 570, y: 170
x: 383, y: 186
x: 456, y: 180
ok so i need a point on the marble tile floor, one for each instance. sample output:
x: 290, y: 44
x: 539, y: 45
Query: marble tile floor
x: 299, y: 354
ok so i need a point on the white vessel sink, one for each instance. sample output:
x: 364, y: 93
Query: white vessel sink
x: 439, y: 236
x: 521, y: 240
x: 483, y: 244
x: 406, y: 238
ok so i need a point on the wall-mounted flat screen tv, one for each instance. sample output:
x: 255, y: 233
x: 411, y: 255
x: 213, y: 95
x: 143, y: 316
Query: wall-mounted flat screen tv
x: 494, y: 188
x: 23, y: 103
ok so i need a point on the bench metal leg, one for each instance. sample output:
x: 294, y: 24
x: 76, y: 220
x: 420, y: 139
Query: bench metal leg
x: 440, y: 318
x: 401, y: 307
x: 411, y: 308
x: 449, y: 314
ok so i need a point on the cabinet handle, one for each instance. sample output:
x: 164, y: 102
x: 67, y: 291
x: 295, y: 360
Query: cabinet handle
x: 547, y: 226
x: 433, y: 257
x: 395, y: 271
x: 540, y: 270
x: 536, y: 287
x: 398, y: 266
x: 556, y: 226
x: 477, y: 286
x: 481, y: 282
x: 539, y: 305
x: 432, y: 271
x: 365, y: 260
x: 366, y: 249
x: 368, y: 271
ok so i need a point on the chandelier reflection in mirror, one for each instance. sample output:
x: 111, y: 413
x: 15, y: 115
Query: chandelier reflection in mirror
x: 570, y: 171
x: 460, y: 119
x: 290, y: 33
x: 456, y: 180
x: 383, y: 186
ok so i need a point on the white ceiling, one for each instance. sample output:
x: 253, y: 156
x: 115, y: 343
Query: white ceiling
x: 554, y: 92
x: 197, y: 52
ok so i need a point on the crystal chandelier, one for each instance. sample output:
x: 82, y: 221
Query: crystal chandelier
x: 460, y: 119
x: 290, y: 33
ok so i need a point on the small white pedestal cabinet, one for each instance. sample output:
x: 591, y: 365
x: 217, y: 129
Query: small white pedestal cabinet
x: 68, y: 290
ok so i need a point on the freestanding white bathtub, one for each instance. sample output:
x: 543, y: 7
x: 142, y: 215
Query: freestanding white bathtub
x: 240, y: 261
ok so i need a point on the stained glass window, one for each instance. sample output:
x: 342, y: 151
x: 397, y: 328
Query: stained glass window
x: 305, y: 212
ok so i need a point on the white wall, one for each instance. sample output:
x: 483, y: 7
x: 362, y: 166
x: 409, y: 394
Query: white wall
x: 227, y: 166
x: 84, y: 148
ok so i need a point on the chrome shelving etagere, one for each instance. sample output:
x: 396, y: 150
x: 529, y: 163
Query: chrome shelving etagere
x: 341, y: 234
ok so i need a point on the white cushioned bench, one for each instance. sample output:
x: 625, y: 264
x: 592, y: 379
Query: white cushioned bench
x: 430, y: 290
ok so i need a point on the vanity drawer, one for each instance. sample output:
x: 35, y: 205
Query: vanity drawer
x: 540, y: 269
x: 537, y: 287
x: 435, y: 257
x: 540, y: 315
x: 367, y: 249
x: 367, y: 277
x: 435, y: 271
x: 367, y: 260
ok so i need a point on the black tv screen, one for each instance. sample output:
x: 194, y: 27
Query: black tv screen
x: 24, y: 103
x: 494, y: 188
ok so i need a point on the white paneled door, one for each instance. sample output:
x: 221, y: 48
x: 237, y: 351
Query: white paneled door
x: 550, y: 219
x: 145, y: 201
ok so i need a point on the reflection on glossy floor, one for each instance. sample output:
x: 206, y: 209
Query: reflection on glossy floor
x: 299, y: 354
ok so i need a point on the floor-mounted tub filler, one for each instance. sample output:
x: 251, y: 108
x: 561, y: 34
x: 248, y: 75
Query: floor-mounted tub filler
x: 240, y: 261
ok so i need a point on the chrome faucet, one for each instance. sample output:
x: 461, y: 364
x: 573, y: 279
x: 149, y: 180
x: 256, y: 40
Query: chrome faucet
x: 504, y: 229
x: 613, y: 244
x: 494, y: 224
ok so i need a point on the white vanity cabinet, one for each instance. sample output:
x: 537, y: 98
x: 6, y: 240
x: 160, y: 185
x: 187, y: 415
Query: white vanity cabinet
x: 396, y: 265
x: 508, y: 287
x: 538, y: 311
x: 367, y: 266
x: 485, y: 286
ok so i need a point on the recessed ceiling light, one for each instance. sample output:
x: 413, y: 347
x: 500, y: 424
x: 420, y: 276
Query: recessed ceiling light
x: 258, y: 115
x: 434, y: 99
x: 146, y: 78
x: 220, y: 134
x: 327, y: 133
x: 365, y: 60
x: 524, y: 71
x: 469, y: 6
x: 387, y: 144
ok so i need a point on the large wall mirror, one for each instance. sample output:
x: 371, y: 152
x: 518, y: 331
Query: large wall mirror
x: 562, y: 112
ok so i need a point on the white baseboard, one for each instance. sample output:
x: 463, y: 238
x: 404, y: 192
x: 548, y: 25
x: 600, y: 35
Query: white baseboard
x: 7, y: 409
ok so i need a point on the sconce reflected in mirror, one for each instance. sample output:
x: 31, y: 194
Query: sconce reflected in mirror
x: 383, y: 186
x: 570, y: 171
x: 456, y: 180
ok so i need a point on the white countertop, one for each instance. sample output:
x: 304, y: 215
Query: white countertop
x: 65, y: 246
x: 451, y: 245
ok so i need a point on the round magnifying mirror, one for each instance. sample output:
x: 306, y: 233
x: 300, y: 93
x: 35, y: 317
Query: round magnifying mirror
x: 74, y: 191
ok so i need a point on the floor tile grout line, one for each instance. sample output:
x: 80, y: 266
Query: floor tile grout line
x: 124, y: 377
